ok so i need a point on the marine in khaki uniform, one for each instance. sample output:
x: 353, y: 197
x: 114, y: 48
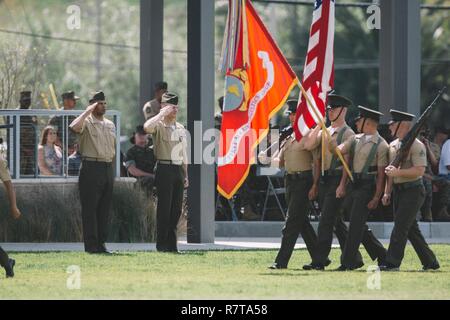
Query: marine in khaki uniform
x: 153, y: 107
x: 409, y: 194
x: 7, y: 263
x: 97, y: 136
x: 299, y: 181
x: 333, y: 184
x: 368, y: 153
x: 170, y: 148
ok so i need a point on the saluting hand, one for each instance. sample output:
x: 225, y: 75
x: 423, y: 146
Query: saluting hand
x: 92, y: 107
x: 167, y: 110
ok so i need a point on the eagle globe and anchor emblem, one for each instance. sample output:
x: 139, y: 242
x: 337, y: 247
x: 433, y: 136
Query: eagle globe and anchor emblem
x: 237, y: 91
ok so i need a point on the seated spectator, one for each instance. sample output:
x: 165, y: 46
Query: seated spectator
x: 432, y: 156
x: 74, y: 162
x: 444, y: 173
x: 49, y: 154
x: 140, y: 160
x: 440, y: 184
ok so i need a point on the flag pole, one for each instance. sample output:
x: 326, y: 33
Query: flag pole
x: 45, y: 101
x: 53, y: 95
x: 323, y: 154
x: 324, y: 129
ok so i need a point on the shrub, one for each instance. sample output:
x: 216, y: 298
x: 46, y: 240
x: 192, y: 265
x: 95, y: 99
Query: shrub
x: 51, y: 212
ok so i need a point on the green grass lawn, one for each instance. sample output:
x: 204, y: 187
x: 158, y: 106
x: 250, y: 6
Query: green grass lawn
x: 215, y: 275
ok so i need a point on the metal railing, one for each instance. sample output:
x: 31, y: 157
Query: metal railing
x: 14, y: 123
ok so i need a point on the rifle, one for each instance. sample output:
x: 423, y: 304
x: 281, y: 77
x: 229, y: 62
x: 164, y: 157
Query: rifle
x: 409, y: 139
x: 284, y: 134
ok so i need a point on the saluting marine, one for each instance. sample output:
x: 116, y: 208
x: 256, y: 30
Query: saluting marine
x: 368, y: 158
x: 300, y: 183
x: 98, y: 149
x: 409, y: 195
x: 170, y: 148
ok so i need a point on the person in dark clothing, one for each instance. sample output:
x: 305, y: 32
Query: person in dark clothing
x: 140, y: 160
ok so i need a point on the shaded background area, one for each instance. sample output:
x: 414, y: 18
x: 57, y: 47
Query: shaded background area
x: 37, y: 48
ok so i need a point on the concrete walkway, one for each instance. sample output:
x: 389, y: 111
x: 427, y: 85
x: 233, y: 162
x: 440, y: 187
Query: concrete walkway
x: 220, y: 244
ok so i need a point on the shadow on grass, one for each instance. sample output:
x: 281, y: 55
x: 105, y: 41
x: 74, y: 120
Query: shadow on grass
x: 384, y: 272
x: 187, y: 253
x: 112, y: 255
x: 12, y: 252
x: 288, y: 274
x: 228, y: 250
x: 301, y: 272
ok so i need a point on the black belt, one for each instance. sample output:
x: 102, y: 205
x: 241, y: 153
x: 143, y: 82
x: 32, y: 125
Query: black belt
x: 169, y: 162
x: 364, y: 176
x: 97, y: 164
x: 89, y: 159
x: 299, y: 175
x: 408, y: 185
x: 333, y: 173
x: 358, y: 183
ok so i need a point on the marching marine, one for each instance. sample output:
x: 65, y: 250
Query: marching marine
x: 333, y: 183
x: 409, y: 195
x: 368, y: 158
x: 300, y: 183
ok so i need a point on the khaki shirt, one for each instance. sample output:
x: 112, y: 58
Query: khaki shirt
x: 349, y: 133
x: 4, y: 173
x: 169, y: 142
x: 151, y: 109
x: 417, y: 157
x: 362, y: 150
x: 295, y: 157
x: 98, y: 139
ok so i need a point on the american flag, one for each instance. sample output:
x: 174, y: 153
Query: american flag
x: 318, y: 73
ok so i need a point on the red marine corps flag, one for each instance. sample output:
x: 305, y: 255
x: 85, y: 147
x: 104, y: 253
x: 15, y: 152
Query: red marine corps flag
x: 258, y: 82
x: 318, y: 73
